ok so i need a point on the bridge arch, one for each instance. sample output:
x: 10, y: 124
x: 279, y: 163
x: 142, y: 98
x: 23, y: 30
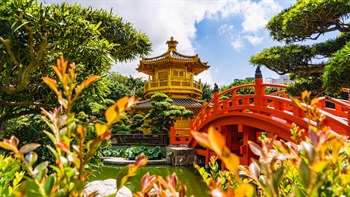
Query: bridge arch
x: 243, y: 117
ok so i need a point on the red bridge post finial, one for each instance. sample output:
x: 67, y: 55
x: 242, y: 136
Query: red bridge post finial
x: 259, y: 89
x: 216, y: 97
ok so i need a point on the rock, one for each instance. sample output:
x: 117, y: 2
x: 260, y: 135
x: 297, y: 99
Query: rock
x: 106, y: 188
x: 124, y: 192
x: 153, y: 193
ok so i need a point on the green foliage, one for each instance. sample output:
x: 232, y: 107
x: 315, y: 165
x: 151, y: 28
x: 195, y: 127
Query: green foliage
x: 244, y: 91
x: 120, y: 86
x: 163, y: 113
x: 309, y: 19
x: 338, y: 69
x: 34, y: 35
x: 10, y: 175
x: 136, y: 123
x: 70, y: 149
x: 29, y: 129
x: 130, y: 153
x: 122, y: 126
x: 223, y: 177
x: 207, y: 92
x: 321, y: 67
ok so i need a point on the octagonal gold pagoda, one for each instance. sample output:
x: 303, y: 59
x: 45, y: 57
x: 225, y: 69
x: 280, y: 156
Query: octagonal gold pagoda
x: 173, y: 73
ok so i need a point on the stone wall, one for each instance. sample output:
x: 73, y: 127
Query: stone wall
x: 181, y: 155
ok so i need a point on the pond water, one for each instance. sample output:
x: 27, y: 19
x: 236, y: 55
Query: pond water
x: 186, y: 175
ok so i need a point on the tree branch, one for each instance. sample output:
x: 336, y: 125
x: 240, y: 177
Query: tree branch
x: 9, y: 50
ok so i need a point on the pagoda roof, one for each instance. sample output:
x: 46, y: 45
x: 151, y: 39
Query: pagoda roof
x: 186, y: 102
x: 192, y: 62
x: 171, y: 54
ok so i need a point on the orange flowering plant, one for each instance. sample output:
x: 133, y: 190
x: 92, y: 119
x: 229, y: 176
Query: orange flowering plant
x: 71, y: 152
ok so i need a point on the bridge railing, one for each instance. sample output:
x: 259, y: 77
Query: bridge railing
x: 179, y: 136
x: 239, y: 100
x: 277, y: 103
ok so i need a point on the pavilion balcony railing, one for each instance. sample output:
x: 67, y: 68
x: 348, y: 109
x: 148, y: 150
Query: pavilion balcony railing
x: 184, y: 84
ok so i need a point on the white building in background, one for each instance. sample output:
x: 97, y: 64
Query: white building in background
x: 282, y: 79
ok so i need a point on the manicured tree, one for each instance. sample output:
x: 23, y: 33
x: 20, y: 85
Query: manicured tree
x: 163, y: 113
x: 320, y: 67
x: 33, y: 36
x: 122, y: 126
x: 207, y: 92
x: 136, y: 123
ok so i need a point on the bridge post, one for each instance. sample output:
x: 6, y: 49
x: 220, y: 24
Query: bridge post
x: 216, y: 98
x: 259, y: 90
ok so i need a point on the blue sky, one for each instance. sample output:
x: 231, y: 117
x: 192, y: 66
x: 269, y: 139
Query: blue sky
x: 224, y: 33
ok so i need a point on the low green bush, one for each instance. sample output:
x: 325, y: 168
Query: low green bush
x: 130, y: 153
x: 10, y: 175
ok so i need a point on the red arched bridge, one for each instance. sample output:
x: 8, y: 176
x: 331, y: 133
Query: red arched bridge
x: 241, y: 118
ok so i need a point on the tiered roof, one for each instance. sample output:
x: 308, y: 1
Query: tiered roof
x: 172, y: 56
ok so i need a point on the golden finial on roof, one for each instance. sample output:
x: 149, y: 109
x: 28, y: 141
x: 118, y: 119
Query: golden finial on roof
x: 171, y: 44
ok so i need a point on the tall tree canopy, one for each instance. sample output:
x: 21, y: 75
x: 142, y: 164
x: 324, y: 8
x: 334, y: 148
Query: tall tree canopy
x: 323, y: 67
x: 33, y: 36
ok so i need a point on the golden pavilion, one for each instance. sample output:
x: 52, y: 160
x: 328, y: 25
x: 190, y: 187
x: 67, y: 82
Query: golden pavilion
x: 172, y: 73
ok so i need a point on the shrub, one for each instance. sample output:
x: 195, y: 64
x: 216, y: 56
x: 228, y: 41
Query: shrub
x: 10, y: 175
x: 70, y: 149
x: 130, y: 153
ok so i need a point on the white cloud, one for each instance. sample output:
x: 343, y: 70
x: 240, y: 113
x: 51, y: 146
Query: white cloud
x: 205, y: 77
x: 225, y: 29
x: 161, y: 19
x: 232, y: 7
x: 256, y: 15
x: 254, y: 40
x: 237, y: 44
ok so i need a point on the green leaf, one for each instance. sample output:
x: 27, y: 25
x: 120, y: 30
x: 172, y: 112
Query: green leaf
x: 54, y: 152
x: 49, y: 183
x: 31, y: 158
x: 277, y: 177
x: 41, y: 170
x: 305, y: 173
x: 120, y: 175
x: 51, y: 136
x: 57, y: 170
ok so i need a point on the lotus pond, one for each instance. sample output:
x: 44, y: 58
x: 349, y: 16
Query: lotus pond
x: 186, y: 175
